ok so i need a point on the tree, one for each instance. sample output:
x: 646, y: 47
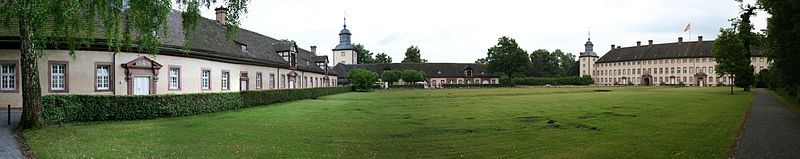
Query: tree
x: 364, y: 55
x: 730, y: 54
x: 745, y: 78
x: 564, y: 62
x: 782, y: 45
x: 508, y: 58
x: 121, y: 23
x: 362, y: 79
x: 382, y: 58
x: 392, y: 76
x: 413, y: 55
x: 482, y: 61
x: 412, y: 76
x: 544, y: 64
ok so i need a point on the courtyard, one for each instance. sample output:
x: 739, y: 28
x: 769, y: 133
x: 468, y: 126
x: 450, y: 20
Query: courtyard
x: 632, y: 122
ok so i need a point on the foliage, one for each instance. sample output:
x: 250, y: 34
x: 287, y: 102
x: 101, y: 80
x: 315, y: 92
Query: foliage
x: 540, y: 81
x: 762, y: 79
x: 382, y: 58
x: 392, y: 76
x: 782, y: 45
x: 425, y: 123
x: 413, y: 76
x: 730, y: 54
x: 555, y: 64
x: 362, y: 79
x: 508, y: 58
x: 60, y: 109
x: 413, y: 55
x: 482, y: 61
x: 364, y: 55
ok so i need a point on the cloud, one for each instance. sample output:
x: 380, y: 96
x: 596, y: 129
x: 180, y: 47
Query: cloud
x: 462, y: 30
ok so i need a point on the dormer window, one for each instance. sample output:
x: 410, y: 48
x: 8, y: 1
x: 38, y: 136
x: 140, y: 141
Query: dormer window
x: 468, y: 73
x: 439, y: 72
x: 242, y: 47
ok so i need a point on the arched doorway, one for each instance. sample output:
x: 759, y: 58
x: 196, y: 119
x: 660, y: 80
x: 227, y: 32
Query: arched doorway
x: 647, y: 80
x: 700, y: 79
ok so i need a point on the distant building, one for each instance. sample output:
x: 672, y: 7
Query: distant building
x: 687, y: 63
x: 436, y: 73
x: 345, y: 53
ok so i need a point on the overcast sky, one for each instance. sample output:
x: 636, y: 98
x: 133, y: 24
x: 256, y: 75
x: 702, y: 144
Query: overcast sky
x: 463, y: 30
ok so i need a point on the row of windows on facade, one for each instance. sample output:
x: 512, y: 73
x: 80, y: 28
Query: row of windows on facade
x: 666, y: 80
x: 58, y: 80
x: 668, y: 61
x: 667, y: 70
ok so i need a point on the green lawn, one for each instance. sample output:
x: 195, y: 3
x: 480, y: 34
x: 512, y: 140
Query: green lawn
x: 468, y: 123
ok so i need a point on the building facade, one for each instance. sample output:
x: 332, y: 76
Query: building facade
x: 678, y: 63
x: 211, y: 63
x: 436, y: 73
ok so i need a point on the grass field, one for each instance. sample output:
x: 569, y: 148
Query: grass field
x: 468, y: 123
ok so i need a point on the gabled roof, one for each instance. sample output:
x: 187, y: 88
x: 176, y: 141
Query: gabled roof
x: 432, y: 70
x: 665, y: 51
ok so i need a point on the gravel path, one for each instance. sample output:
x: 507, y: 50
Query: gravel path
x: 8, y: 144
x: 771, y: 130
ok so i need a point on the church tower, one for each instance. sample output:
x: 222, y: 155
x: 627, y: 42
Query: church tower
x: 344, y: 52
x: 588, y: 59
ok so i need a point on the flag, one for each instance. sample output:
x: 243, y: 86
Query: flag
x: 688, y: 27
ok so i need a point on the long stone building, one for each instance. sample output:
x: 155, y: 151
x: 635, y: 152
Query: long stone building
x: 678, y: 63
x: 251, y: 61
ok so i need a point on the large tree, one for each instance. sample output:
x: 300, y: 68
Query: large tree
x: 51, y: 23
x: 413, y: 55
x: 364, y: 55
x: 362, y: 79
x: 729, y: 52
x: 564, y: 62
x: 382, y: 58
x: 745, y: 78
x: 782, y: 44
x: 508, y: 58
x: 391, y: 76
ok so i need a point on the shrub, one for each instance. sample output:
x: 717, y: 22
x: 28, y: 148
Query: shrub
x: 539, y: 81
x: 59, y: 109
x: 362, y: 79
x: 412, y: 76
x: 391, y: 76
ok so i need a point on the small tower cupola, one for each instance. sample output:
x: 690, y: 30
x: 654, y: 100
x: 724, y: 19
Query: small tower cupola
x: 345, y: 52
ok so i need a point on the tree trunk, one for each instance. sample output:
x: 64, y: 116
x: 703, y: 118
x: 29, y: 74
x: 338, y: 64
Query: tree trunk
x: 730, y: 81
x: 31, y: 91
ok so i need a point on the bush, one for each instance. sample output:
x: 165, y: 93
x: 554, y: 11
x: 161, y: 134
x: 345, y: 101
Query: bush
x: 362, y: 79
x: 391, y: 76
x: 59, y: 109
x: 410, y: 86
x: 539, y: 81
x: 472, y: 85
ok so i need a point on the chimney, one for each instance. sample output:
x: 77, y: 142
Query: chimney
x: 649, y: 42
x: 612, y: 46
x: 638, y: 43
x: 314, y: 50
x: 222, y: 15
x: 619, y: 47
x: 700, y: 38
x: 680, y: 40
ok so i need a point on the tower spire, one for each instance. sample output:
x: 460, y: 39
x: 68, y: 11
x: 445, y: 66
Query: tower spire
x: 590, y: 34
x: 345, y: 19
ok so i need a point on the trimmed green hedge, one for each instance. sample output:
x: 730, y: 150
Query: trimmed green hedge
x: 539, y: 81
x: 472, y: 85
x: 59, y: 109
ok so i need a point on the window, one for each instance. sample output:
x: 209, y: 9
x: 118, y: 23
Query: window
x: 684, y: 70
x: 8, y: 77
x: 258, y: 80
x: 225, y: 80
x: 271, y: 80
x: 102, y: 77
x: 206, y: 80
x: 58, y: 77
x: 342, y: 53
x: 174, y: 78
x: 242, y: 47
x: 283, y: 81
x: 468, y: 73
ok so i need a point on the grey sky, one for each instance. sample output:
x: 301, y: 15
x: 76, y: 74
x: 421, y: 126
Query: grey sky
x: 462, y: 30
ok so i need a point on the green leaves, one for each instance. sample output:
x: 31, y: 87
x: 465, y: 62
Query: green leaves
x: 59, y: 109
x: 507, y: 57
x: 362, y: 79
x: 413, y: 55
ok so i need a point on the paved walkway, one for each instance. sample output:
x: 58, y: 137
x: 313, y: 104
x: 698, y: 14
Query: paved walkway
x: 8, y: 144
x: 771, y: 130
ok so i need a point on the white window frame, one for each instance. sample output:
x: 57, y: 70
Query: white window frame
x: 205, y: 81
x: 174, y: 78
x: 103, y: 79
x: 58, y: 77
x: 225, y: 80
x: 8, y: 77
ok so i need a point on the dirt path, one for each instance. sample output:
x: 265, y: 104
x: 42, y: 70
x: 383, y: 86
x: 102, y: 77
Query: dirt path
x: 771, y: 130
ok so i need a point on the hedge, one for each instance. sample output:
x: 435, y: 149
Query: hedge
x: 471, y: 85
x: 60, y: 109
x: 540, y: 81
